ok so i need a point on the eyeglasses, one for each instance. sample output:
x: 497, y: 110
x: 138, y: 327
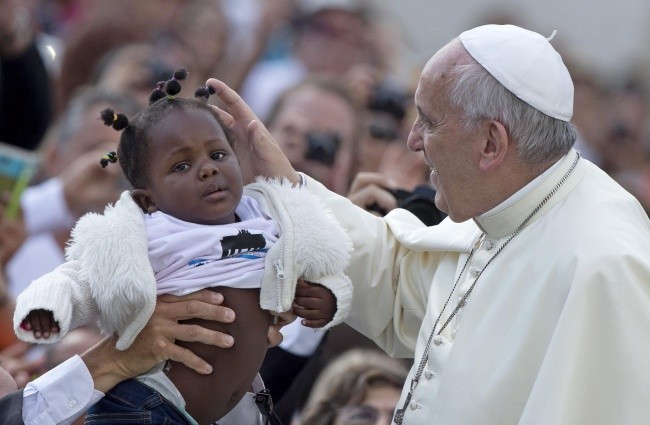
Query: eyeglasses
x: 362, y: 415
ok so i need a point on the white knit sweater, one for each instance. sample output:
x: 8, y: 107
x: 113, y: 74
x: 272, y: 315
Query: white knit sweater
x: 107, y: 275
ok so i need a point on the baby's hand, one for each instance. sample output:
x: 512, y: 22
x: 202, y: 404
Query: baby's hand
x: 314, y: 303
x: 41, y: 323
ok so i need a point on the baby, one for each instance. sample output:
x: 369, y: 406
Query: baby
x: 190, y: 223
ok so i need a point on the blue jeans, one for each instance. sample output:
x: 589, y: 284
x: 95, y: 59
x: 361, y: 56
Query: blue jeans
x: 132, y: 402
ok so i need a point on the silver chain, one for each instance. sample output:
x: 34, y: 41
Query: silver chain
x: 399, y: 413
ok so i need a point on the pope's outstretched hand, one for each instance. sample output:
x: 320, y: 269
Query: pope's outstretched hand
x: 258, y: 153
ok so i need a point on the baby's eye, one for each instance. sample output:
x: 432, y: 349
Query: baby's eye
x: 183, y: 166
x: 218, y: 155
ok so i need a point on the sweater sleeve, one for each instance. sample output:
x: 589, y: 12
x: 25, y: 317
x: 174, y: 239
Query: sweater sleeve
x: 385, y: 307
x: 66, y: 293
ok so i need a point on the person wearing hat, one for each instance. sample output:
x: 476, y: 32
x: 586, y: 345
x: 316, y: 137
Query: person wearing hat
x: 530, y: 303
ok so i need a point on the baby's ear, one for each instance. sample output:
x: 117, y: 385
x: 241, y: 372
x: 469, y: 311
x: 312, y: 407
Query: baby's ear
x: 145, y: 200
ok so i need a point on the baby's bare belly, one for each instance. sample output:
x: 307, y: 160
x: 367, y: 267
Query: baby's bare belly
x: 210, y: 397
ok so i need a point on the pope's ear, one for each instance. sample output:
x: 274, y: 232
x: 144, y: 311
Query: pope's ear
x: 494, y: 147
x: 145, y: 201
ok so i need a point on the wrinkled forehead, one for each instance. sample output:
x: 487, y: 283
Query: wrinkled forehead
x: 436, y: 74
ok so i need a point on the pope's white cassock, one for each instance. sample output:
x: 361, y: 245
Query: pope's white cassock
x: 556, y: 330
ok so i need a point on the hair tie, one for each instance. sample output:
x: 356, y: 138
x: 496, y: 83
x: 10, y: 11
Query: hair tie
x: 108, y: 157
x: 157, y: 93
x: 111, y: 119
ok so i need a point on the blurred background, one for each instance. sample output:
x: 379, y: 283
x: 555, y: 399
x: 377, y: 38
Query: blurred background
x: 332, y: 79
x: 608, y: 35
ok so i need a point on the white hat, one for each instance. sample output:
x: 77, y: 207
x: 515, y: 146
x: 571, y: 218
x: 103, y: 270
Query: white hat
x: 526, y: 64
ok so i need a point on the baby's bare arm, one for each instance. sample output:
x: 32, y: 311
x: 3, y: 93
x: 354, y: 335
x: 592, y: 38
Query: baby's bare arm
x: 314, y: 303
x: 41, y: 323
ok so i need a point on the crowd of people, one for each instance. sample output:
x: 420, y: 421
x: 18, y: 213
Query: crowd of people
x: 481, y: 225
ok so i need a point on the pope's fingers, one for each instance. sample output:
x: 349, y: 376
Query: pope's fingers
x: 224, y: 116
x: 268, y: 158
x: 234, y: 103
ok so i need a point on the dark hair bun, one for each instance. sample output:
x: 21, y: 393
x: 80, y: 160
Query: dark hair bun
x: 156, y: 95
x: 110, y: 118
x: 109, y: 157
x: 180, y: 74
x: 173, y: 87
x: 121, y: 122
x: 205, y: 91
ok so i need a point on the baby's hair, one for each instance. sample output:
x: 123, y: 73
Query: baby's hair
x: 205, y: 91
x: 169, y: 88
x: 132, y: 151
x: 109, y: 157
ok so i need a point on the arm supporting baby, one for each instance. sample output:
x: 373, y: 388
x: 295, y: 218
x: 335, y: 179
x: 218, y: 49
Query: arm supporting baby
x: 156, y: 343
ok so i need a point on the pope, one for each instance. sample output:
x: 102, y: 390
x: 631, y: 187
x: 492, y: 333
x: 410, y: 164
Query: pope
x: 530, y: 303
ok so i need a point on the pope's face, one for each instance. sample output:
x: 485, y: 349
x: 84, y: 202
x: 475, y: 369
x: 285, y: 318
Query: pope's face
x: 448, y: 147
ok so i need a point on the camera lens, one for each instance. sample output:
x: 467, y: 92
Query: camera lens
x: 322, y: 147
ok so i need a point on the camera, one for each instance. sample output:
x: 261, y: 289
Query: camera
x: 420, y: 202
x: 390, y: 100
x: 388, y: 106
x: 322, y: 147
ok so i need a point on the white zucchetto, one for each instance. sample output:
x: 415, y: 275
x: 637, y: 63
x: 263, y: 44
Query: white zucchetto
x: 526, y: 64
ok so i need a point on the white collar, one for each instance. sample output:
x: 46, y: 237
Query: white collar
x: 503, y: 219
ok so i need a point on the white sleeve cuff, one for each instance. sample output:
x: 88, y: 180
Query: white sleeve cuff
x: 61, y: 395
x: 44, y: 208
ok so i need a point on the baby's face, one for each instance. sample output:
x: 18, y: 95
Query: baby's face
x: 193, y: 172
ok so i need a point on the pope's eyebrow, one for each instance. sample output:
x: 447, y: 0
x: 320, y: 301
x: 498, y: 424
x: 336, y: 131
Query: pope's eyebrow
x: 422, y: 116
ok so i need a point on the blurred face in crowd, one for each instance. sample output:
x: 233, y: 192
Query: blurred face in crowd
x: 202, y: 27
x: 382, y: 130
x: 324, y: 115
x: 136, y: 68
x: 85, y: 134
x: 332, y: 41
x: 129, y: 71
x: 376, y: 408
